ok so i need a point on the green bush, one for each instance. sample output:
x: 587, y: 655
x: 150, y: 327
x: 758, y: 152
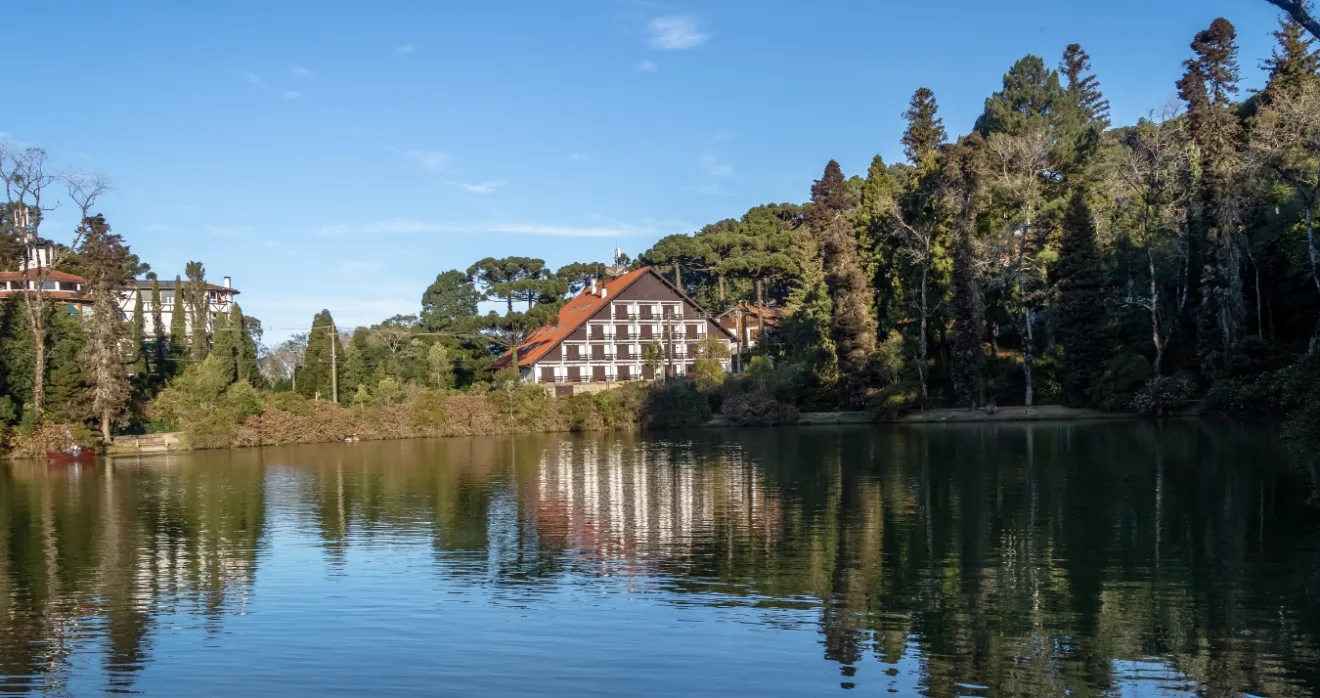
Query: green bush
x: 759, y: 409
x: 243, y: 400
x: 1163, y: 393
x: 1126, y: 373
x: 428, y: 410
x: 676, y: 404
x: 293, y: 403
x: 894, y: 401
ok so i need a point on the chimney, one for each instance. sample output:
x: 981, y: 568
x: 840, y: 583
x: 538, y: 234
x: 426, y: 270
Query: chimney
x: 593, y: 286
x: 228, y: 282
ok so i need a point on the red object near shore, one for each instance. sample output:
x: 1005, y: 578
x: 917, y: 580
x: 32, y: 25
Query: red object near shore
x: 87, y: 456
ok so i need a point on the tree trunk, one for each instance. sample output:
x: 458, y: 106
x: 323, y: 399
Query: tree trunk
x: 1313, y: 255
x: 921, y: 339
x: 39, y: 371
x: 509, y: 303
x: 1028, y: 356
x: 1155, y: 313
x: 105, y: 426
x: 678, y: 276
x: 720, y: 279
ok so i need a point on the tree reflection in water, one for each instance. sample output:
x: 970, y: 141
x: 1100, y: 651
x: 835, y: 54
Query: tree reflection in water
x: 1014, y: 559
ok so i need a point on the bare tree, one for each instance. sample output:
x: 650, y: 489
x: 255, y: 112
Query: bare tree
x: 1020, y: 164
x: 915, y: 235
x: 1155, y: 170
x: 1286, y: 144
x: 28, y: 177
x: 279, y: 362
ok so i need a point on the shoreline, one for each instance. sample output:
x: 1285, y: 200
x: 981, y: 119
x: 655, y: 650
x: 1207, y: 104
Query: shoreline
x: 159, y: 444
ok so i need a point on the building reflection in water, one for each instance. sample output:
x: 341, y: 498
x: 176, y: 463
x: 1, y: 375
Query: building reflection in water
x: 1014, y: 560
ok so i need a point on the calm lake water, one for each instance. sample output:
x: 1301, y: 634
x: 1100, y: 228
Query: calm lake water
x: 1114, y: 558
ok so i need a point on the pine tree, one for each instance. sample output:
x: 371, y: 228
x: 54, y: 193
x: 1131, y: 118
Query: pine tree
x: 200, y: 311
x: 225, y: 348
x: 159, y: 341
x: 1084, y: 328
x: 1208, y: 87
x: 961, y: 187
x: 1083, y: 87
x: 315, y: 376
x: 925, y: 129
x: 249, y: 330
x: 1294, y: 63
x: 104, y: 256
x: 852, y: 323
x: 179, y: 327
x: 137, y: 337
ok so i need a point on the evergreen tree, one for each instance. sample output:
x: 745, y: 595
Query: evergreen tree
x: 225, y: 348
x: 925, y: 129
x: 1208, y: 87
x: 249, y: 334
x: 1084, y: 329
x: 104, y: 256
x: 1294, y: 64
x: 961, y: 183
x: 178, y: 327
x: 852, y: 322
x: 315, y: 376
x: 159, y: 341
x: 137, y: 336
x: 1083, y: 87
x: 449, y: 304
x: 1031, y: 98
x: 199, y: 306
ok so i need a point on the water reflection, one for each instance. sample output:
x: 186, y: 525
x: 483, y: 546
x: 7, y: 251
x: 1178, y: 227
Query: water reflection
x: 1008, y: 560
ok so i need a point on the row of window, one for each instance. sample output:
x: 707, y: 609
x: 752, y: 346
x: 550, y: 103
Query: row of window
x: 19, y: 285
x: 601, y: 331
x: 623, y: 352
x: 633, y: 310
x: 600, y: 374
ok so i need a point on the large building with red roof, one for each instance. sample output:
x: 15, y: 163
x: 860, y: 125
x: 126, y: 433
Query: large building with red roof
x: 602, y: 334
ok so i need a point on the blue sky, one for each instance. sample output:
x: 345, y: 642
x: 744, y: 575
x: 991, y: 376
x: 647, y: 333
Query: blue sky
x: 339, y: 155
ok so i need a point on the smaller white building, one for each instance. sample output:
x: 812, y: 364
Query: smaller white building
x: 219, y: 299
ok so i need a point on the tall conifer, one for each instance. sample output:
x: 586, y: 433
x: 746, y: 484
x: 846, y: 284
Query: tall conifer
x: 1084, y: 329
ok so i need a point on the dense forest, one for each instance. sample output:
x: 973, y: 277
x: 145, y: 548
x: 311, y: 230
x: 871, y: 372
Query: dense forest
x: 1047, y: 256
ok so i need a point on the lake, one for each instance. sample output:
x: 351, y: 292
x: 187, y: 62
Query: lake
x: 1128, y: 558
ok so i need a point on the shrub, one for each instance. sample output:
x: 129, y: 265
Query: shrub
x: 1125, y: 374
x: 894, y: 401
x: 243, y: 400
x: 51, y: 436
x: 1163, y: 393
x: 759, y: 409
x: 428, y: 410
x: 674, y: 405
x: 293, y: 403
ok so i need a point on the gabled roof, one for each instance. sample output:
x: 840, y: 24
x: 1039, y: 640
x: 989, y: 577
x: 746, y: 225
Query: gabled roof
x: 169, y: 285
x: 770, y: 314
x: 51, y: 275
x: 576, y: 312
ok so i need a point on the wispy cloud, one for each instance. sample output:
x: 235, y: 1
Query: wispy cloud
x: 250, y: 77
x: 483, y: 188
x: 291, y: 94
x: 647, y: 66
x: 676, y: 33
x: 334, y: 230
x: 357, y: 266
x: 715, y: 167
x: 428, y: 159
x: 404, y: 49
x: 713, y: 189
x: 302, y: 73
x: 350, y: 310
x: 578, y: 157
x: 157, y: 228
x: 410, y: 226
x: 226, y: 230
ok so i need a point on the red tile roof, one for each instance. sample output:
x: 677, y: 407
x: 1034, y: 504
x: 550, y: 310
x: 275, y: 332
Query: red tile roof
x: 52, y: 275
x: 572, y: 316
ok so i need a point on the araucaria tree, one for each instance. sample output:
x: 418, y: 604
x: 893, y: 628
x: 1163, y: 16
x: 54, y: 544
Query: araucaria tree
x: 104, y: 259
x: 962, y: 191
x: 852, y: 324
x: 1208, y: 87
x: 1083, y: 318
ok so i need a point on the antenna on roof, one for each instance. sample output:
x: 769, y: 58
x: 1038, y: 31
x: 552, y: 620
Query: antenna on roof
x: 616, y: 269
